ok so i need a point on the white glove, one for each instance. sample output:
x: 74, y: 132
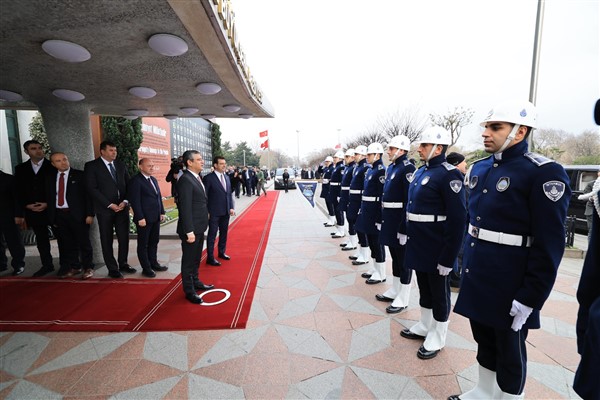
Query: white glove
x: 402, y: 239
x: 443, y: 270
x: 378, y: 226
x: 520, y: 312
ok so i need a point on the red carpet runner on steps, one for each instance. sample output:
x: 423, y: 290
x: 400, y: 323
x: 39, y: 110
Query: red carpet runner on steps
x: 146, y: 304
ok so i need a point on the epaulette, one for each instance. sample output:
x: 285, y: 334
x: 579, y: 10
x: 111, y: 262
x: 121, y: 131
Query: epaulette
x: 481, y: 159
x: 448, y: 166
x: 380, y: 166
x: 538, y: 159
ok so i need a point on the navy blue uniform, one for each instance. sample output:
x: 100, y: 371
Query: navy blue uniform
x: 335, y: 187
x: 355, y: 197
x: 325, y: 188
x: 436, y: 215
x: 393, y: 213
x: 517, y: 208
x: 369, y: 216
x: 345, y: 192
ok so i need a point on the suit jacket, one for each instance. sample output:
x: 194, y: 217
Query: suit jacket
x: 220, y: 200
x: 31, y: 188
x: 9, y: 206
x: 144, y: 199
x: 80, y: 204
x: 193, y: 212
x: 101, y: 186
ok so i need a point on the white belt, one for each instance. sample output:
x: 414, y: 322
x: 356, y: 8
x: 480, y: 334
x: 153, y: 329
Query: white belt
x: 325, y: 181
x: 500, y: 237
x: 355, y: 191
x: 425, y: 218
x: 370, y: 198
x: 387, y: 204
x: 334, y: 183
x: 345, y: 187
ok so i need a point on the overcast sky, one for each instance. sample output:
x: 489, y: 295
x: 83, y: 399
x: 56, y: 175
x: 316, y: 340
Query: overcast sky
x: 332, y: 68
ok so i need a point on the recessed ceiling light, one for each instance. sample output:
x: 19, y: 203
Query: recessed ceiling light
x: 68, y: 95
x: 142, y: 92
x: 231, y: 107
x: 66, y: 51
x: 130, y: 117
x: 189, y: 110
x: 170, y: 116
x: 7, y: 95
x: 139, y: 112
x: 209, y: 116
x: 208, y: 88
x: 246, y: 116
x: 167, y: 44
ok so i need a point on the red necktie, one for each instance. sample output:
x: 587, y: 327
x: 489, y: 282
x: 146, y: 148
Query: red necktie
x: 61, y: 190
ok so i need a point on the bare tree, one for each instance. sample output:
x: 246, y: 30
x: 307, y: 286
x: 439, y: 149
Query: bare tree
x: 550, y: 142
x: 317, y: 157
x: 277, y: 158
x: 453, y: 121
x: 585, y: 145
x: 409, y: 123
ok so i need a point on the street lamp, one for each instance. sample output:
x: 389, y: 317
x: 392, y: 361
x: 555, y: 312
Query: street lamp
x: 298, y: 154
x: 244, y: 153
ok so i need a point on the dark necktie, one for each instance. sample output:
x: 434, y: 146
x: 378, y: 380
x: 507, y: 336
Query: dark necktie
x: 152, y: 184
x: 61, y: 190
x: 113, y: 171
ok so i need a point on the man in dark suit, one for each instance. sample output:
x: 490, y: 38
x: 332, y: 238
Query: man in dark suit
x: 192, y: 222
x: 248, y: 175
x: 220, y: 207
x: 148, y: 212
x: 106, y: 181
x: 11, y: 216
x: 30, y: 177
x: 71, y: 213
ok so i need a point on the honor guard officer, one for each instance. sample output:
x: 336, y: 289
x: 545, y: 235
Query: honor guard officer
x: 335, y: 187
x: 393, y: 222
x: 369, y: 217
x: 345, y: 196
x: 362, y: 256
x: 516, y: 238
x: 435, y: 226
x: 327, y: 170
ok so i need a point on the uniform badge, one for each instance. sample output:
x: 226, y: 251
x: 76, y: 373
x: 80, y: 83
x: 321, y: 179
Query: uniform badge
x: 473, y: 182
x: 503, y: 184
x: 425, y: 180
x: 554, y: 190
x: 382, y: 179
x: 456, y: 185
x: 410, y: 176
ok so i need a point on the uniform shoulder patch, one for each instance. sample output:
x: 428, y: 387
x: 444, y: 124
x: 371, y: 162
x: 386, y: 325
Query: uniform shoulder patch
x: 448, y: 166
x: 406, y: 162
x: 538, y: 159
x: 380, y: 166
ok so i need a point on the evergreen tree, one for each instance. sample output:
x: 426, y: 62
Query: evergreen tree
x: 127, y: 136
x: 215, y: 139
x: 38, y: 132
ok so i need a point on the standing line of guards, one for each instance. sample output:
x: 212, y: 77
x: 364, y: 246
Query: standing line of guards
x: 517, y: 203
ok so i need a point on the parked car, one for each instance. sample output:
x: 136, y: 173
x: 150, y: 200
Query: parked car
x: 279, y: 179
x: 580, y: 176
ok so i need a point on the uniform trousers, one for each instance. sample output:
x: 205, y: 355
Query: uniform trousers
x: 330, y: 209
x: 434, y: 293
x: 399, y: 270
x: 339, y: 215
x: 503, y: 351
x: 72, y: 235
x: 351, y: 229
x: 377, y: 250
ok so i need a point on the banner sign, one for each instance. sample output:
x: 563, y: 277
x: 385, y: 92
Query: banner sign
x: 308, y: 189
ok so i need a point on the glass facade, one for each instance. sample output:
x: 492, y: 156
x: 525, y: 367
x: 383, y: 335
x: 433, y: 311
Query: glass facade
x: 191, y: 134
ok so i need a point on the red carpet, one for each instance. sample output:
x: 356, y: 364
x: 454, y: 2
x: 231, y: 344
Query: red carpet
x: 146, y: 304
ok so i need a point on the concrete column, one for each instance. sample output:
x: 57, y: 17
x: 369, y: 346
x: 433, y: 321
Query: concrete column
x: 68, y: 130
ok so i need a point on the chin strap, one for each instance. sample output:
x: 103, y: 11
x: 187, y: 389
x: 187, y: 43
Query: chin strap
x: 395, y: 156
x: 509, y: 139
x: 431, y: 153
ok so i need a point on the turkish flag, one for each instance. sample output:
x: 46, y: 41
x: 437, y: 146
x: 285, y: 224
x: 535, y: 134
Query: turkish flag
x: 265, y: 144
x: 264, y: 134
x: 338, y: 146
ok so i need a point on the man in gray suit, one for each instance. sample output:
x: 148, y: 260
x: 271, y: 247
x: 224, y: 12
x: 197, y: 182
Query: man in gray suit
x: 193, y: 221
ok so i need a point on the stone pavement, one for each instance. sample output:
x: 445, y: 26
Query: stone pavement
x: 315, y: 331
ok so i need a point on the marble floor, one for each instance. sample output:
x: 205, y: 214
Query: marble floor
x: 315, y: 331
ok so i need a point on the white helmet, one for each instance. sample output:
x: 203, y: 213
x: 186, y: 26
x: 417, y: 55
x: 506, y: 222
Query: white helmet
x: 400, y: 142
x: 435, y: 135
x: 375, y: 148
x: 339, y: 154
x: 350, y: 152
x: 515, y: 112
x: 329, y: 158
x: 362, y: 150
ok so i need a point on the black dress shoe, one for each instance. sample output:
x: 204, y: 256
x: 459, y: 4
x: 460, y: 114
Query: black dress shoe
x: 374, y: 281
x: 148, y: 273
x: 343, y: 244
x: 202, y: 286
x: 128, y: 269
x: 406, y: 333
x: 115, y: 274
x: 353, y: 257
x: 394, y: 310
x: 347, y: 248
x: 18, y: 271
x: 425, y: 354
x: 214, y: 263
x: 365, y: 275
x: 359, y: 262
x: 381, y: 297
x: 193, y: 298
x: 160, y: 268
x: 43, y: 271
x: 454, y: 397
x: 224, y: 257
